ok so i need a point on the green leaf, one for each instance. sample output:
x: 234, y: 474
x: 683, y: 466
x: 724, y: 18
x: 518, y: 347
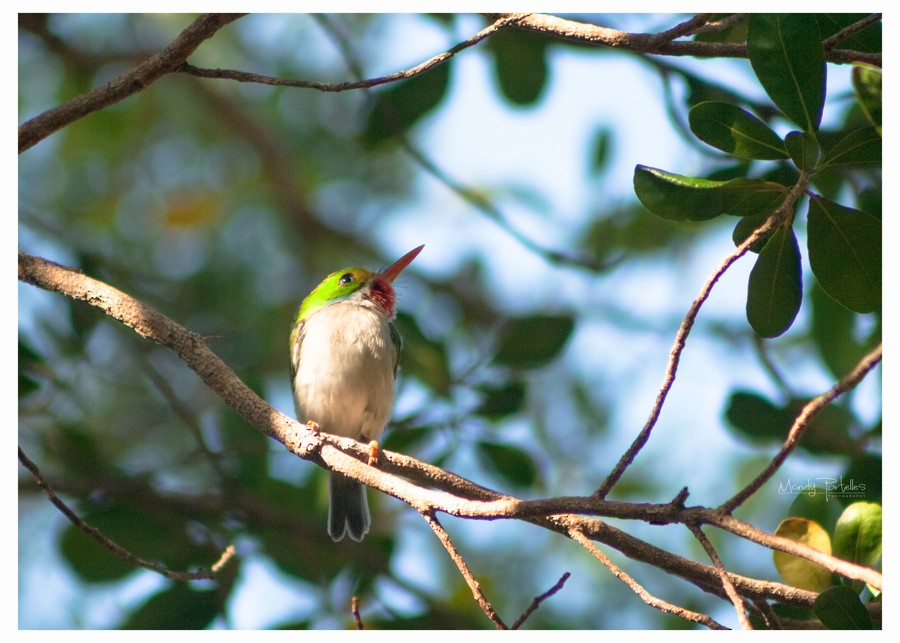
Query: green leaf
x: 785, y: 51
x: 423, y: 358
x: 177, y: 608
x: 531, y: 342
x: 868, y: 40
x: 520, y: 64
x: 747, y: 226
x: 89, y: 559
x: 797, y: 571
x: 682, y: 198
x: 404, y: 103
x: 867, y: 86
x: 839, y: 608
x: 859, y: 147
x: 775, y: 288
x: 601, y: 146
x: 756, y: 417
x: 832, y: 327
x: 845, y: 254
x: 857, y: 535
x: 502, y: 401
x: 512, y: 463
x: 815, y: 504
x: 803, y: 149
x: 735, y: 130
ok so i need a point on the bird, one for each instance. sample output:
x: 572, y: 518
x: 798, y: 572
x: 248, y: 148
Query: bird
x: 344, y: 356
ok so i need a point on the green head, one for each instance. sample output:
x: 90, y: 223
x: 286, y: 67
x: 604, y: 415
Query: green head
x: 351, y: 283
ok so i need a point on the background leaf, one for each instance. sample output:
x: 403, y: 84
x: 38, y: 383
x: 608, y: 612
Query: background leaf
x: 531, y: 342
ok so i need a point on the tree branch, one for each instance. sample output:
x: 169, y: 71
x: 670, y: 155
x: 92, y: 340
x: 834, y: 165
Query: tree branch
x: 406, y: 74
x: 168, y: 60
x: 453, y: 495
x: 463, y: 568
x: 595, y: 35
x: 727, y: 585
x: 118, y: 550
x: 644, y: 595
x: 777, y: 217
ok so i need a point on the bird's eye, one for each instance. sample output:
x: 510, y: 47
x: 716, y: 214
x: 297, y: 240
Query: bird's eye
x: 346, y: 278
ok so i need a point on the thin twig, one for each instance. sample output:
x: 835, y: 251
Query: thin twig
x: 540, y: 599
x: 727, y: 585
x: 463, y: 568
x: 809, y: 411
x: 117, y: 549
x: 851, y: 30
x: 406, y: 74
x: 687, y: 324
x: 686, y: 28
x: 354, y: 608
x: 647, y: 597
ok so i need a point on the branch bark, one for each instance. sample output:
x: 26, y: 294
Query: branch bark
x: 168, y: 60
x: 450, y: 493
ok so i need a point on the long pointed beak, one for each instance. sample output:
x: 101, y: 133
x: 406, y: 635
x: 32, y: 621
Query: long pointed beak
x: 390, y: 273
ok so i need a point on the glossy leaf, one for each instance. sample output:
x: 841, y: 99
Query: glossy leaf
x: 797, y: 571
x: 401, y: 105
x: 180, y: 607
x: 845, y: 254
x: 867, y: 85
x: 839, y: 608
x: 512, y: 463
x: 785, y: 51
x: 803, y: 150
x: 857, y: 535
x: 682, y: 198
x: 859, y: 147
x: 735, y: 130
x: 532, y: 342
x: 775, y: 288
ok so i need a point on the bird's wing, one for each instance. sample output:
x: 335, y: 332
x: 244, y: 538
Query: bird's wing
x: 297, y: 334
x: 398, y: 343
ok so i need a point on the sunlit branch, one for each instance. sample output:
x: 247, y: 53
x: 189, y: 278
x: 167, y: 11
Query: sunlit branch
x: 454, y: 495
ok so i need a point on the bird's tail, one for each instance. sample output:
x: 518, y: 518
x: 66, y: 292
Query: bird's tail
x: 348, y: 512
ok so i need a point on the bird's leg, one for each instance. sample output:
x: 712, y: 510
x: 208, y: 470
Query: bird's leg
x: 373, y: 453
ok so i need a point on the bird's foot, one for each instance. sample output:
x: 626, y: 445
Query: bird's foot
x: 373, y: 453
x: 313, y: 426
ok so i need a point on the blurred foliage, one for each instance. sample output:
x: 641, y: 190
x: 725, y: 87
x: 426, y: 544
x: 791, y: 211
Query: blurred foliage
x: 222, y: 204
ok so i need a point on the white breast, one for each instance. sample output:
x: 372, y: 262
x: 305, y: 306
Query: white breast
x: 345, y: 371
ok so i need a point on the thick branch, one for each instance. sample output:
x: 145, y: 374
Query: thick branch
x: 596, y: 35
x: 462, y: 497
x: 168, y: 60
